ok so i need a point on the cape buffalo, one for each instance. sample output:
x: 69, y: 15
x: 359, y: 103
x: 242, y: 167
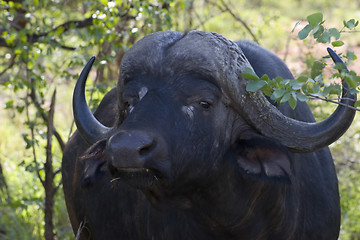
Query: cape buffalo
x: 180, y: 150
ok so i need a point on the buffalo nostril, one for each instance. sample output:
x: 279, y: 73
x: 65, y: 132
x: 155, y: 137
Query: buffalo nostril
x: 146, y: 149
x: 129, y: 149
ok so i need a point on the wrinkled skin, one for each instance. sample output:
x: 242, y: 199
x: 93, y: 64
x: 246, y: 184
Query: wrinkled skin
x: 200, y: 171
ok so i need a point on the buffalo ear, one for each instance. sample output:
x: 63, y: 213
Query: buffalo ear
x: 93, y: 159
x: 262, y: 157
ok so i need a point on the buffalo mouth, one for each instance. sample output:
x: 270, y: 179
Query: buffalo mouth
x: 141, y: 178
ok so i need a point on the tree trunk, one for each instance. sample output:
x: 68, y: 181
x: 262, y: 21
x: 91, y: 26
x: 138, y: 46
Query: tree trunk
x: 4, y: 191
x: 49, y: 176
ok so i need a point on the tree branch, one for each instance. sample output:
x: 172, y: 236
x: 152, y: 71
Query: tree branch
x: 32, y: 38
x: 45, y: 117
x: 227, y: 9
x: 65, y: 26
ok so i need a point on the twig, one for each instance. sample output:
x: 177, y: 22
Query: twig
x: 349, y: 31
x: 81, y: 227
x: 287, y: 48
x: 27, y: 104
x: 188, y: 16
x: 44, y: 116
x: 115, y: 179
x: 11, y: 64
x: 58, y: 186
x: 202, y: 22
x: 332, y: 101
x: 63, y: 46
x: 227, y: 8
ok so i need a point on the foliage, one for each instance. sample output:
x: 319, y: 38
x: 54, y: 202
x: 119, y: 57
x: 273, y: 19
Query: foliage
x: 350, y: 198
x: 314, y: 86
x: 35, y: 36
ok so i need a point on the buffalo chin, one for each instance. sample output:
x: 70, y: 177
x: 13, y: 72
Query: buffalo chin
x: 149, y: 181
x: 140, y: 178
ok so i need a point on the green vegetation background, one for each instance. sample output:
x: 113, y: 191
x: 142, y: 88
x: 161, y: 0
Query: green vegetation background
x: 53, y: 66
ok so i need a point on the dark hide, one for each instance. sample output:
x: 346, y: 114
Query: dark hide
x: 196, y: 174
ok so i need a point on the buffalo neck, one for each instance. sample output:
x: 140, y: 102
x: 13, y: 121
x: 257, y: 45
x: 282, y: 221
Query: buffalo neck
x: 223, y: 206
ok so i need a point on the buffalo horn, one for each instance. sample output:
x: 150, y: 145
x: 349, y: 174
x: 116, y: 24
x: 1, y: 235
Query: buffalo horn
x: 89, y: 127
x: 298, y: 136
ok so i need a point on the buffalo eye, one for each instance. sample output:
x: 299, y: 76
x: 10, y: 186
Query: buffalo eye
x: 129, y: 105
x: 205, y: 104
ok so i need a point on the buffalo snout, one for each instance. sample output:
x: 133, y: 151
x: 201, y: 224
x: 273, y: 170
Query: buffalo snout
x: 130, y: 149
x: 137, y: 158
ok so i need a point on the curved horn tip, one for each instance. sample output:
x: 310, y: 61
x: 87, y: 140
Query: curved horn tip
x: 335, y: 57
x: 91, y: 61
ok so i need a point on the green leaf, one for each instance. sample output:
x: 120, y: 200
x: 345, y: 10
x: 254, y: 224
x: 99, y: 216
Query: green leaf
x: 302, y: 79
x: 315, y: 19
x: 265, y: 77
x: 302, y: 97
x: 354, y: 91
x: 305, y: 32
x: 357, y: 103
x: 324, y: 38
x: 336, y: 89
x: 278, y: 79
x: 340, y: 67
x: 292, y: 102
x: 296, y: 85
x: 285, y: 98
x: 250, y: 74
x: 351, y: 56
x: 30, y: 65
x: 285, y: 81
x: 334, y: 33
x: 337, y: 43
x: 316, y: 69
x: 318, y: 31
x: 254, y: 86
x: 296, y: 24
x: 59, y: 30
x: 350, y: 82
x: 22, y: 37
x: 327, y: 90
x: 278, y: 93
x: 9, y: 104
x: 20, y: 109
x: 351, y: 24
